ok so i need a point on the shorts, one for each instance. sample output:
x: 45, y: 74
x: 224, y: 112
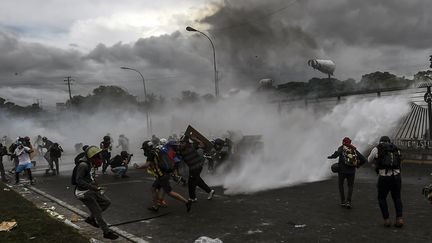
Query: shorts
x: 22, y: 167
x: 164, y: 183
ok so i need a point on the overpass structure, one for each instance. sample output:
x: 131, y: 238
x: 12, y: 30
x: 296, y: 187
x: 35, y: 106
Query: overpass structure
x: 414, y: 132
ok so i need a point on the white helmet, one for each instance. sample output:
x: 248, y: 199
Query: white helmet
x: 163, y: 141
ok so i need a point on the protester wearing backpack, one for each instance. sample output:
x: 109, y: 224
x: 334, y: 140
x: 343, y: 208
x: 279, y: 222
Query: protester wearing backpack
x: 55, y: 152
x: 162, y: 177
x: 349, y: 160
x: 88, y: 192
x: 387, y: 159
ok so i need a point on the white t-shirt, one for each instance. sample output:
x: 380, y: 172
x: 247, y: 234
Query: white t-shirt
x: 23, y: 155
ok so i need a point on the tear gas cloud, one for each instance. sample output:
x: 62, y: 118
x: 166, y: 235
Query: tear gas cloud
x: 296, y: 142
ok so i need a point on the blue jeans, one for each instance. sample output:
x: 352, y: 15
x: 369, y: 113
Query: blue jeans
x: 120, y: 170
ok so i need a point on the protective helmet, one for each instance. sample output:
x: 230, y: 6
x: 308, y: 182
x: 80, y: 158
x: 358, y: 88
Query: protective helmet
x: 147, y: 145
x: 163, y: 141
x: 44, y: 138
x: 106, y: 138
x: 92, y: 151
x: 384, y: 139
x: 124, y: 154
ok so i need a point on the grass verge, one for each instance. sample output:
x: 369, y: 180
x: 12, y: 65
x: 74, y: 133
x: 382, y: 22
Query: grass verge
x: 34, y: 225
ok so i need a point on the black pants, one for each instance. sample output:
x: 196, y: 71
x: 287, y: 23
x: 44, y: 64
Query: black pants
x: 392, y: 184
x: 350, y: 181
x: 106, y: 156
x: 2, y: 171
x: 56, y: 162
x: 196, y: 180
x: 97, y: 203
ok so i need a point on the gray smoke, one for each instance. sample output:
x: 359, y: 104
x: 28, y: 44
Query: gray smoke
x: 296, y: 141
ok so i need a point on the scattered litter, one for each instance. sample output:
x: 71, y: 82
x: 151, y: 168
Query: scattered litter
x: 54, y: 214
x: 254, y: 231
x: 8, y: 225
x: 93, y: 240
x: 265, y: 224
x: 205, y: 239
x: 74, y: 217
x: 299, y: 226
x: 67, y: 187
x: 68, y: 222
x: 149, y: 237
x: 32, y: 238
x: 6, y: 189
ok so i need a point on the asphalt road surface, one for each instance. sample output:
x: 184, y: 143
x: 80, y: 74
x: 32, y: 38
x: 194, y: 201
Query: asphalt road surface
x: 304, y: 213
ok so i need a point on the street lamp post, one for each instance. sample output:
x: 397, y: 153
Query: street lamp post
x: 149, y: 128
x: 216, y: 81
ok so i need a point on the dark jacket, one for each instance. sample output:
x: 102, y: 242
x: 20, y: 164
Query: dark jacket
x: 117, y: 161
x: 3, y: 152
x: 343, y: 167
x: 192, y: 157
x: 83, y: 177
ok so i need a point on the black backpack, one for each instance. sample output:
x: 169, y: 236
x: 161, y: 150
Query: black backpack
x: 55, y: 152
x: 73, y: 178
x: 389, y: 156
x: 74, y: 171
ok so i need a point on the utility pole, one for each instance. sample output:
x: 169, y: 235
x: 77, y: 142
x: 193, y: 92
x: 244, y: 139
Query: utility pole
x: 69, y: 80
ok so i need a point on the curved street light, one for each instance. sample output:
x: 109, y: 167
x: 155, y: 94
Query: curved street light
x: 214, y: 59
x: 149, y: 129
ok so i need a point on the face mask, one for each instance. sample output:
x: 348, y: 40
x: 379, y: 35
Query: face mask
x: 96, y: 161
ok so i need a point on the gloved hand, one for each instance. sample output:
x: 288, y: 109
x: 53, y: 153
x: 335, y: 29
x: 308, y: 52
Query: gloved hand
x: 329, y: 157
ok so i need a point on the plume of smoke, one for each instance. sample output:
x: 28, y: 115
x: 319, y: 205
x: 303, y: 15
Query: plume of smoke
x: 296, y: 143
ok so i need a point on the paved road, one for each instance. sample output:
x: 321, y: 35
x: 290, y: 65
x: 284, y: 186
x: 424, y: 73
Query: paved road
x: 302, y: 213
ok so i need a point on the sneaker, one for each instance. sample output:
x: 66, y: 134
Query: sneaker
x: 110, y: 235
x: 387, y: 223
x: 348, y: 205
x: 342, y: 204
x: 92, y: 222
x: 153, y: 208
x: 399, y: 222
x: 188, y: 206
x: 162, y: 203
x: 211, y: 193
x: 193, y: 199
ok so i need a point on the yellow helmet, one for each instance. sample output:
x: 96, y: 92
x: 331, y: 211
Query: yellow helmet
x: 92, y: 151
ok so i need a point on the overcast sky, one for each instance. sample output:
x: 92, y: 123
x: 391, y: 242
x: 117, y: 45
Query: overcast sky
x: 41, y: 42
